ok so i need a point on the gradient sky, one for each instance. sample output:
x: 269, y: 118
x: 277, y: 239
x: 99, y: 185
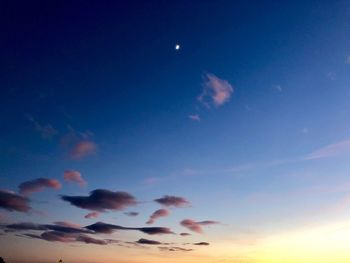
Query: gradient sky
x: 240, y: 138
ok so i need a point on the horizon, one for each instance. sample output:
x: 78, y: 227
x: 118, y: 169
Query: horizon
x: 175, y: 131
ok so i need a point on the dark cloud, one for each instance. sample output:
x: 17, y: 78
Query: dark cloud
x: 38, y: 185
x: 104, y: 228
x: 185, y: 234
x: 157, y: 214
x: 201, y: 244
x: 169, y: 200
x: 131, y: 213
x: 13, y: 202
x: 196, y: 226
x: 46, y: 130
x: 101, y: 200
x: 44, y: 227
x: 175, y: 249
x: 148, y: 242
x: 56, y: 236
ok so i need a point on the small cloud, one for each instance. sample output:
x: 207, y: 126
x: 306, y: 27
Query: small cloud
x: 92, y: 215
x: 194, y: 117
x: 74, y: 176
x: 46, y: 130
x: 67, y: 224
x: 201, y: 244
x: 347, y: 61
x: 148, y: 242
x: 157, y: 214
x: 331, y: 75
x: 13, y: 202
x: 196, y: 226
x: 305, y: 130
x: 38, y: 185
x: 185, y: 234
x: 174, y: 249
x: 131, y: 213
x: 278, y: 88
x: 101, y: 200
x: 215, y: 91
x: 175, y: 201
x: 82, y: 149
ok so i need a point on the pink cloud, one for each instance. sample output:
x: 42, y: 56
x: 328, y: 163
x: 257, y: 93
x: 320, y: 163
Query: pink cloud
x: 218, y: 90
x: 196, y: 226
x: 82, y: 149
x: 194, y: 117
x: 67, y: 224
x: 74, y: 176
x: 38, y: 185
x: 13, y: 202
x: 92, y: 215
x: 157, y: 214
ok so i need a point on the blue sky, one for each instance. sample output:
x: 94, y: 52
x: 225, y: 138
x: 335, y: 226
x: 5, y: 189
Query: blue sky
x: 248, y: 120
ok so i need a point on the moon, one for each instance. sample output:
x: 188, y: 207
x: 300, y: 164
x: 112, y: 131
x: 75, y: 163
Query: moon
x: 177, y: 47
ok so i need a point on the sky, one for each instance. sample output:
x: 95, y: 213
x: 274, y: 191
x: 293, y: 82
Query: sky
x: 175, y: 131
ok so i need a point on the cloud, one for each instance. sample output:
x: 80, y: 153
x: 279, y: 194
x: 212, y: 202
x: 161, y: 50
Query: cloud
x: 67, y: 224
x: 330, y: 150
x: 104, y: 228
x: 215, y: 91
x: 13, y: 202
x: 157, y: 214
x: 74, y: 177
x: 185, y: 234
x: 38, y: 185
x: 131, y: 213
x: 82, y: 149
x: 169, y: 200
x: 201, y: 244
x: 194, y: 117
x: 63, y: 227
x: 196, y: 226
x: 92, y: 215
x: 173, y: 249
x: 56, y: 236
x: 101, y: 200
x: 46, y: 131
x: 148, y: 242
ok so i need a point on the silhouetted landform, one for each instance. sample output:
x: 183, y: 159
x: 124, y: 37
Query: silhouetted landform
x: 2, y: 260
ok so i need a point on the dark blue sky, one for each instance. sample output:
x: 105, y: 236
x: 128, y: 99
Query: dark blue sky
x: 253, y: 106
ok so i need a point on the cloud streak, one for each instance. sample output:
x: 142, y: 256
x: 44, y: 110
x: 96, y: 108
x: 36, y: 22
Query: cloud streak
x: 330, y: 150
x: 102, y: 200
x: 37, y: 185
x: 215, y: 91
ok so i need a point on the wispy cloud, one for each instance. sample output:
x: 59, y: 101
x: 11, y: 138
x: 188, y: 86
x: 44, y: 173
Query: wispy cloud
x: 38, y: 185
x: 101, y: 200
x: 157, y: 214
x: 175, y: 201
x: 74, y: 176
x: 194, y: 117
x: 82, y: 149
x: 330, y: 150
x: 215, y: 90
x: 46, y: 130
x: 13, y: 202
x: 196, y: 226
